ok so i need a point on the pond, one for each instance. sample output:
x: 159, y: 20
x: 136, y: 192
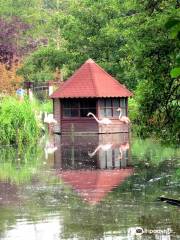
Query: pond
x: 89, y: 187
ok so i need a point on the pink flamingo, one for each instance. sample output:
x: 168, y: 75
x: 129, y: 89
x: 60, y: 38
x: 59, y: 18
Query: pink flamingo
x: 106, y: 147
x: 105, y: 121
x: 103, y: 147
x: 122, y: 148
x: 123, y: 119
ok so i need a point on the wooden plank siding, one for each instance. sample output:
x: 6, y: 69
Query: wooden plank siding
x: 79, y: 126
x: 115, y: 127
x: 57, y: 115
x: 91, y: 126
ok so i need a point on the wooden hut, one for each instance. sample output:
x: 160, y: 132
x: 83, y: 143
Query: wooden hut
x: 90, y: 89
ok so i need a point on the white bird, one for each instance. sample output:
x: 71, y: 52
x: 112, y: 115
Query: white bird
x: 105, y: 121
x: 50, y: 148
x: 123, y: 118
x: 49, y: 119
x: 103, y: 147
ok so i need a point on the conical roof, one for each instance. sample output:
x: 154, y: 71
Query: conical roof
x: 91, y: 81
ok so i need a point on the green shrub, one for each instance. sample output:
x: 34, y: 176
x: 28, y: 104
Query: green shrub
x: 133, y: 110
x: 18, y: 123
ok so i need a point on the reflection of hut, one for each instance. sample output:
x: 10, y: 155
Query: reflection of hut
x: 90, y: 89
x: 93, y: 186
x: 93, y: 165
x: 92, y: 152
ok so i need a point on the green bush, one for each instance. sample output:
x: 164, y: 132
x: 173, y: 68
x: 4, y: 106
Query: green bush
x: 133, y: 110
x: 18, y: 123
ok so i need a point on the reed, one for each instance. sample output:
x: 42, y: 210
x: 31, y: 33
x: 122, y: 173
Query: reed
x: 18, y: 124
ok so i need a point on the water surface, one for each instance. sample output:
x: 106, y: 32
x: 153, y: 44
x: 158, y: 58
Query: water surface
x: 89, y: 187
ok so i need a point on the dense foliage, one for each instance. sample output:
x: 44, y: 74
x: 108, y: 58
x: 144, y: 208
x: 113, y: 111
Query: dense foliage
x: 18, y: 124
x: 9, y: 80
x: 135, y: 41
x: 11, y: 37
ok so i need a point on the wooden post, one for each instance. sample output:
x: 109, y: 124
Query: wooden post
x: 72, y: 132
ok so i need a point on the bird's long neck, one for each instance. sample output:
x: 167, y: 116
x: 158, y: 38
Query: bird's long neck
x: 93, y: 153
x: 120, y: 114
x: 94, y: 117
x: 120, y: 153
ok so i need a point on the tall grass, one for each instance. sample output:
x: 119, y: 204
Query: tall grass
x: 43, y: 106
x: 18, y: 124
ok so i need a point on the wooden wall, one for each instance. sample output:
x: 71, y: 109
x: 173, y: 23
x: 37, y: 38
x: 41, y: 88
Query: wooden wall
x: 79, y: 125
x: 91, y: 126
x: 115, y: 127
x: 57, y: 115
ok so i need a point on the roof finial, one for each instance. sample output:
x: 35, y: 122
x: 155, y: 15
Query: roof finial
x: 89, y: 61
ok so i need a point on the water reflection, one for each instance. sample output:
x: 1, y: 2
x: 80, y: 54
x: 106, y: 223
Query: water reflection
x: 89, y: 187
x: 93, y: 166
x: 45, y: 230
x: 95, y: 152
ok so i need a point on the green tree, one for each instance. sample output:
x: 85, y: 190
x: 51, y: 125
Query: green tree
x: 41, y: 65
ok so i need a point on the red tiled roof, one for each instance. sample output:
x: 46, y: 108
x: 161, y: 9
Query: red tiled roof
x: 90, y: 80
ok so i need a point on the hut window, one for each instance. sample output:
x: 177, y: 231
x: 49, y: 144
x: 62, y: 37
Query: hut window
x: 87, y: 106
x: 109, y: 106
x: 70, y: 112
x: 78, y: 108
x: 123, y: 105
x: 70, y: 108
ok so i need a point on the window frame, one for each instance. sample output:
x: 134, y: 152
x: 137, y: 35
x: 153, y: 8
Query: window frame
x: 79, y: 108
x: 112, y: 107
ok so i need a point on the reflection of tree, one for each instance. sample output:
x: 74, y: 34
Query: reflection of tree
x: 7, y: 218
x: 19, y: 165
x: 149, y: 150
